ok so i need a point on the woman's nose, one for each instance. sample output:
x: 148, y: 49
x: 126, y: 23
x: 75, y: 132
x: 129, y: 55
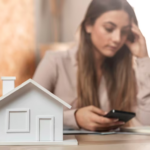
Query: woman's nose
x: 116, y: 38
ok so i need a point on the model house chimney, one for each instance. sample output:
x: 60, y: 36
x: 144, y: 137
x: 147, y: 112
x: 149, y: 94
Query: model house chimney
x: 8, y: 84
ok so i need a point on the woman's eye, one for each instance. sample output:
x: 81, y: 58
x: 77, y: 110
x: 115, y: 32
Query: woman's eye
x: 109, y: 29
x: 124, y: 32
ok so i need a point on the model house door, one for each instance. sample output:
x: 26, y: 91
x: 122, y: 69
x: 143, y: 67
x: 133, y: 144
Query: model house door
x: 45, y: 128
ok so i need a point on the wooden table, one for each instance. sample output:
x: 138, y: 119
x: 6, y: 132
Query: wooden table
x: 97, y: 142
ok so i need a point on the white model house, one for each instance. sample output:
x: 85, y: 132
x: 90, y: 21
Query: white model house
x: 30, y: 114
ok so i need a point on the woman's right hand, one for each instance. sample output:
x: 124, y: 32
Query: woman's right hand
x: 91, y: 118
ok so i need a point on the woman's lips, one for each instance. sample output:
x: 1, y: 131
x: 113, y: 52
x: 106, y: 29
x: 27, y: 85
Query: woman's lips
x: 112, y: 47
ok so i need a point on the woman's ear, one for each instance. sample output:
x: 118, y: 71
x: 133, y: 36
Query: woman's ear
x: 88, y: 29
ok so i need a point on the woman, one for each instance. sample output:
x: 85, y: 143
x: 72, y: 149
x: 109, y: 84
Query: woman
x: 99, y: 74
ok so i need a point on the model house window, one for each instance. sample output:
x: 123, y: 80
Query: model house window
x: 142, y: 12
x: 17, y: 120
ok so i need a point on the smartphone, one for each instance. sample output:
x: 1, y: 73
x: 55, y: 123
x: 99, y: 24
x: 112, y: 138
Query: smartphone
x: 121, y: 115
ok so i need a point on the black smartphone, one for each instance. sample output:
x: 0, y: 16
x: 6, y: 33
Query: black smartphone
x: 121, y: 115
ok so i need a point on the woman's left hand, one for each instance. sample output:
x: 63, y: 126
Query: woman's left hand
x: 138, y: 47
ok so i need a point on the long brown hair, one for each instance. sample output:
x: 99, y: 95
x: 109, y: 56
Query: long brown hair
x: 118, y: 70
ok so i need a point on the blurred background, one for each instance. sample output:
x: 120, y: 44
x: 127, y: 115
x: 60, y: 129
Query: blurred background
x: 30, y: 27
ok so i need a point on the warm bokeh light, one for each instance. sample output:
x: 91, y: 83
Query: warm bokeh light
x: 17, y: 40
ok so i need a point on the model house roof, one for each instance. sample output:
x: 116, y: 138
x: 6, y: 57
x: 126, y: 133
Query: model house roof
x: 38, y: 86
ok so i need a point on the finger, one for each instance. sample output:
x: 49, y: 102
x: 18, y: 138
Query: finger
x: 138, y: 36
x: 107, y: 127
x: 94, y: 127
x: 136, y: 29
x: 111, y: 126
x: 97, y: 127
x: 102, y: 120
x: 135, y: 26
x: 116, y: 124
x: 136, y: 33
x: 103, y: 127
x: 97, y: 110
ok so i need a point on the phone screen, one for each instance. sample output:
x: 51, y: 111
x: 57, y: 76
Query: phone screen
x: 121, y: 115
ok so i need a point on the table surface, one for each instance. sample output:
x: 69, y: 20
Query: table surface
x: 97, y: 142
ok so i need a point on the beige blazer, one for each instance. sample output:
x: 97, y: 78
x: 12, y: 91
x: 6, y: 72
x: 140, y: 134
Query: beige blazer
x: 57, y: 73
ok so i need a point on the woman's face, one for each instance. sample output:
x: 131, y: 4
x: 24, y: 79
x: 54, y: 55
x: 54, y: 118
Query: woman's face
x: 110, y: 31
